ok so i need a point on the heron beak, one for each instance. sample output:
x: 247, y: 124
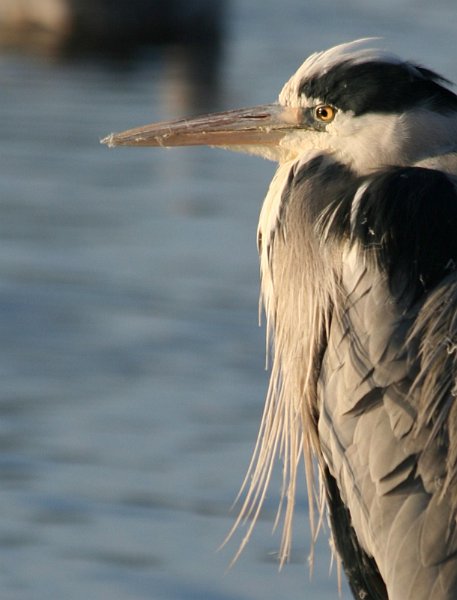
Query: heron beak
x: 262, y: 125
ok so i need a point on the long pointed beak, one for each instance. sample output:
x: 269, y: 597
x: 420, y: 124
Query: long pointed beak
x: 262, y: 125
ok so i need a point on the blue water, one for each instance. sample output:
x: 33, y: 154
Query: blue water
x: 131, y: 361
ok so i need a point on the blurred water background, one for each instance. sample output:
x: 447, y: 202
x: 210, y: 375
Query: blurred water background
x: 131, y: 366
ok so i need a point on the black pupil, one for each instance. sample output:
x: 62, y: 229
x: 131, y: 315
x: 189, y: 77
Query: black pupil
x: 323, y: 112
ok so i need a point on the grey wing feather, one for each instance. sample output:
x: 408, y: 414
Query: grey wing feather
x: 388, y: 427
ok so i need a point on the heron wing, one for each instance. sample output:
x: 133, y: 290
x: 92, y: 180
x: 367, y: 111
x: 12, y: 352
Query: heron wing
x: 387, y: 411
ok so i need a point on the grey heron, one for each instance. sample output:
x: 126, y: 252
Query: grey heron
x: 357, y: 240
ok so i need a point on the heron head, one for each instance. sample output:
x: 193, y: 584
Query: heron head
x: 373, y: 108
x: 364, y: 105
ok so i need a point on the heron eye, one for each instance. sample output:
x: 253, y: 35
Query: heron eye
x: 325, y: 113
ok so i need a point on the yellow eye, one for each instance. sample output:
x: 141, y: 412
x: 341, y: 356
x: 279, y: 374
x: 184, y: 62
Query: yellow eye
x: 325, y: 113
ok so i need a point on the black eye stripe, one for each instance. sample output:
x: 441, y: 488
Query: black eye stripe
x: 379, y: 87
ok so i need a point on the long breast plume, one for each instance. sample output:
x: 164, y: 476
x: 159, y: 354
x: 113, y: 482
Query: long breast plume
x: 297, y: 287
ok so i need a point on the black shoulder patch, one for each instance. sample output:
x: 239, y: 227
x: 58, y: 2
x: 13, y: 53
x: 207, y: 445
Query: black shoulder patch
x: 311, y: 188
x: 327, y: 180
x: 406, y: 219
x: 380, y: 87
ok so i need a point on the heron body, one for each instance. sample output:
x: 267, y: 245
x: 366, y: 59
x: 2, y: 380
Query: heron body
x: 358, y: 255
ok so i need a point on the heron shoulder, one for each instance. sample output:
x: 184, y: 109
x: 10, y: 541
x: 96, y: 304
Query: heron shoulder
x: 403, y: 219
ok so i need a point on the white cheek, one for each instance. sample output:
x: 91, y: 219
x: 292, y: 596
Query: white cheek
x: 369, y: 141
x: 374, y: 141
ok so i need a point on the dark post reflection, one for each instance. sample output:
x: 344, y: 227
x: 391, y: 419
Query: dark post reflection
x: 188, y: 36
